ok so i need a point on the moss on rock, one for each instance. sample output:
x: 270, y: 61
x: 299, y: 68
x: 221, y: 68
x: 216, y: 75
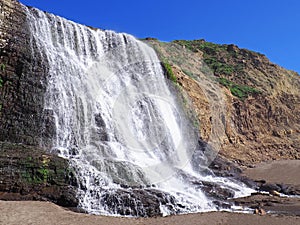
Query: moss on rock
x: 28, y: 172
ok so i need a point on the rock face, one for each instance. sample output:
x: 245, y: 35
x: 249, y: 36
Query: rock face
x: 261, y: 100
x: 23, y: 78
x: 27, y: 172
x: 138, y: 202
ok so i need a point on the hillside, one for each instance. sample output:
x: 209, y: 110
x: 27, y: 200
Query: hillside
x: 258, y: 102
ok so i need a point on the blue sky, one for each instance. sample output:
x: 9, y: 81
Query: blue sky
x: 271, y: 27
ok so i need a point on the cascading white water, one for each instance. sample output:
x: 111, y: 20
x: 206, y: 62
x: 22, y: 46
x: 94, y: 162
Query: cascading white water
x: 117, y: 121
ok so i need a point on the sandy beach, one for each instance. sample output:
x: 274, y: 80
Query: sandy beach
x: 46, y: 213
x: 281, y: 171
x: 36, y: 213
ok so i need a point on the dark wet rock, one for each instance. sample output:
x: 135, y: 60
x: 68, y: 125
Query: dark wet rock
x: 269, y: 187
x: 272, y: 204
x: 29, y: 173
x: 249, y: 182
x: 224, y: 168
x: 222, y: 204
x: 24, y: 76
x: 281, y: 188
x: 138, y: 202
x: 214, y: 190
x: 101, y: 128
x: 289, y: 189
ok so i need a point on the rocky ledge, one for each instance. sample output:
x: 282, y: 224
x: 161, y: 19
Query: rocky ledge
x: 29, y: 173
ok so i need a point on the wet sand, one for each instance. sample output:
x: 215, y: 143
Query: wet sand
x: 277, y: 172
x: 283, y: 171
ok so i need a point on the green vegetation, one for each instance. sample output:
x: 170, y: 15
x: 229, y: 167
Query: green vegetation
x: 34, y: 173
x: 169, y: 72
x: 208, y: 48
x: 219, y: 67
x: 33, y: 178
x: 43, y: 174
x: 211, y: 52
x: 196, y: 123
x: 222, y: 68
x: 2, y: 67
x: 1, y: 82
x: 240, y: 91
x: 190, y: 74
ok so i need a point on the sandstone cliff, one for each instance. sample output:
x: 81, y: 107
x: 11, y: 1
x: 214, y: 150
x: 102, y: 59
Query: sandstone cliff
x: 258, y: 102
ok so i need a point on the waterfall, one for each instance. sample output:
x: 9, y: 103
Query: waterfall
x: 118, y: 122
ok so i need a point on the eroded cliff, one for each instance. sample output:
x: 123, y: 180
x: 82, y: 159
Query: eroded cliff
x: 260, y: 119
